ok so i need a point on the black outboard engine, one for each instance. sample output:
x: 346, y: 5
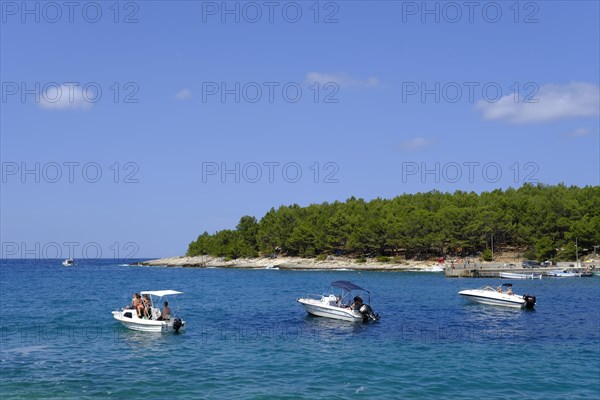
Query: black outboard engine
x: 367, y: 313
x: 177, y: 324
x: 529, y: 301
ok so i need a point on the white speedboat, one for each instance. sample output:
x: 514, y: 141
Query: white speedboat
x: 339, y: 304
x: 69, y: 262
x: 512, y: 275
x: 499, y: 297
x: 130, y: 319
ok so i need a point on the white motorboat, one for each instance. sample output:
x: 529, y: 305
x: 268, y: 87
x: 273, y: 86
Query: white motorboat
x: 339, y: 304
x: 560, y: 273
x: 130, y: 319
x: 513, y: 275
x: 498, y: 297
x: 69, y: 262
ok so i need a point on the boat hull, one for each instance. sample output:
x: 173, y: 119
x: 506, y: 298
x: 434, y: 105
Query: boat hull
x: 505, y: 300
x: 511, y: 275
x: 568, y: 274
x: 317, y: 308
x: 144, y: 325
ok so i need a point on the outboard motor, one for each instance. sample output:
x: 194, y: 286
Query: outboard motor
x: 368, y: 313
x: 177, y: 324
x: 529, y: 301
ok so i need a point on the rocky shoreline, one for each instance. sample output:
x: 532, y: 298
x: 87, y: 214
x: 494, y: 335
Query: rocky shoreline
x: 331, y: 262
x: 337, y: 263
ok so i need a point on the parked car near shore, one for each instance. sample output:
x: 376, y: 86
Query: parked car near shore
x: 548, y: 263
x: 531, y: 264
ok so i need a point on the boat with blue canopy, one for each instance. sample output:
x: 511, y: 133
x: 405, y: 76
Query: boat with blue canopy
x: 343, y: 302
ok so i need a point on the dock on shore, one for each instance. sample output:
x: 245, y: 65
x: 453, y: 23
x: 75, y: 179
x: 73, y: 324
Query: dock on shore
x: 487, y: 272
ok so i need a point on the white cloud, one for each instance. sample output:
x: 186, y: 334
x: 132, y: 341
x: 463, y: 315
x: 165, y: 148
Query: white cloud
x: 341, y: 79
x: 184, y: 94
x: 65, y: 97
x: 578, y: 132
x: 554, y: 101
x: 415, y: 143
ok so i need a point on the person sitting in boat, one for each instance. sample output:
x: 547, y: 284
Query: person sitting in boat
x: 499, y: 289
x: 509, y: 290
x: 137, y: 304
x: 134, y: 301
x: 165, y: 315
x: 357, y: 304
x: 146, y: 303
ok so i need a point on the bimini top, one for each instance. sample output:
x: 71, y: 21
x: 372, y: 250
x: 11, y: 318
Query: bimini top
x: 160, y: 293
x: 347, y: 285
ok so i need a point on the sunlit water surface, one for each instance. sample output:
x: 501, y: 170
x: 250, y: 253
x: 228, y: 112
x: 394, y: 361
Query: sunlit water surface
x: 247, y: 337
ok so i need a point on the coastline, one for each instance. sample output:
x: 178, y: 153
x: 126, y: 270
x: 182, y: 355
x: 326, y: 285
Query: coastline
x: 299, y: 263
x: 338, y: 263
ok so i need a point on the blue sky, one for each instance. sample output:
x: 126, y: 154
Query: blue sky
x: 412, y: 96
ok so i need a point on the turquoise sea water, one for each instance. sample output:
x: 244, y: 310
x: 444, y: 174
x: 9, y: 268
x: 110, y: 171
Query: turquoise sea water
x: 247, y: 337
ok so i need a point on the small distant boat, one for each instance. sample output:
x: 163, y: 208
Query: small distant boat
x: 514, y: 275
x: 433, y: 268
x: 128, y: 317
x: 497, y: 297
x: 560, y: 273
x: 429, y: 268
x: 339, y: 305
x: 69, y: 262
x: 572, y: 273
